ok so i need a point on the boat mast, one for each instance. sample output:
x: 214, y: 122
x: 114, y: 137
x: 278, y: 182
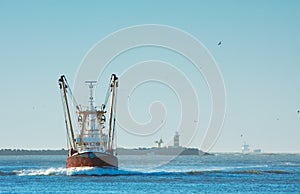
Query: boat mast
x: 91, y: 85
x: 63, y: 86
x: 113, y: 85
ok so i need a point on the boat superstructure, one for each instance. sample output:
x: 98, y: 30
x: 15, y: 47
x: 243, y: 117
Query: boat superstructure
x: 246, y: 148
x: 93, y: 145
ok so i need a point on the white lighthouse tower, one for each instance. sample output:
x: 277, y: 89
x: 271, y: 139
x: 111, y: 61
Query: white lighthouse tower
x: 176, y: 140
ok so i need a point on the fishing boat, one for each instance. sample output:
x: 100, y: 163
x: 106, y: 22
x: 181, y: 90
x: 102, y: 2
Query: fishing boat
x: 93, y: 145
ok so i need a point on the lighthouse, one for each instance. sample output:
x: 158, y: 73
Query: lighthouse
x: 176, y: 140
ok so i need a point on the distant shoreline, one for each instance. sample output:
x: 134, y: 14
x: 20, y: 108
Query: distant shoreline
x: 122, y: 151
x: 16, y: 152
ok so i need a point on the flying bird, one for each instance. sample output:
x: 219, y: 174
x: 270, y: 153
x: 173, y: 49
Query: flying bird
x: 219, y: 43
x: 298, y: 111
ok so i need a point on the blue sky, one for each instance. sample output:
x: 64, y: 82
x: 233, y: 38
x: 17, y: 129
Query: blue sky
x: 259, y: 60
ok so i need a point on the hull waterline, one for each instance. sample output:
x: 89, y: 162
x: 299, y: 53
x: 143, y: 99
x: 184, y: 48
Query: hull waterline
x: 92, y: 159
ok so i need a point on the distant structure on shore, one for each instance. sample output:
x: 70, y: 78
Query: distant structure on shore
x: 159, y: 143
x: 246, y: 149
x: 176, y: 149
x: 176, y: 140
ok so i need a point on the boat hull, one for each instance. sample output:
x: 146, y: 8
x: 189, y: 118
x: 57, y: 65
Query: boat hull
x: 92, y: 159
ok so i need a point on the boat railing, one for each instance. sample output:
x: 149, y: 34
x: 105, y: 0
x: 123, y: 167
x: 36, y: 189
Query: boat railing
x: 86, y: 148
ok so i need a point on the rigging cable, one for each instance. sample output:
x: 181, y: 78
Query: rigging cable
x: 107, y: 95
x: 74, y: 102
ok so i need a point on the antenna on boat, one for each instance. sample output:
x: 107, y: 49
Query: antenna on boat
x: 91, y: 85
x: 92, y: 117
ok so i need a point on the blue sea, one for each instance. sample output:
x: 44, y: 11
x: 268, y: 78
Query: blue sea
x: 218, y: 173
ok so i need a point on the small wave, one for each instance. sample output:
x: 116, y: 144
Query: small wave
x: 276, y: 172
x: 290, y: 164
x: 80, y: 171
x: 41, y: 172
x: 247, y: 172
x: 252, y: 171
x: 195, y: 172
x: 94, y: 171
x: 6, y: 173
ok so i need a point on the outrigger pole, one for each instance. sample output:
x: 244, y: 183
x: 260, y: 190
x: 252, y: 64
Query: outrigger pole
x: 62, y: 83
x: 113, y: 85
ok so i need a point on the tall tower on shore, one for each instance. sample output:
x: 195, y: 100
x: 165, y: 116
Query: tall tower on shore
x: 176, y: 139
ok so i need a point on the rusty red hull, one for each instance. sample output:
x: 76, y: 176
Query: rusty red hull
x: 92, y: 159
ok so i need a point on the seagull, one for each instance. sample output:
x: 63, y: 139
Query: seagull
x: 298, y: 111
x: 219, y: 43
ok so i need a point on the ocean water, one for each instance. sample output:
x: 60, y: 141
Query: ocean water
x: 219, y: 173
